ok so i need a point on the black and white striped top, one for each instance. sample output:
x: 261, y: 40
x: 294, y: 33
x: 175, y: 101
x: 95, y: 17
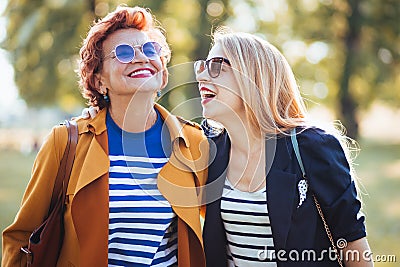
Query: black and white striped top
x: 247, y: 226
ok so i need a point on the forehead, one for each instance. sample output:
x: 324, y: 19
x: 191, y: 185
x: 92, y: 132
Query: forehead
x: 216, y: 51
x: 126, y: 36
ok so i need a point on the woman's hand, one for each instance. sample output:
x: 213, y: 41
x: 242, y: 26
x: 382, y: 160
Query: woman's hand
x: 89, y: 113
x: 357, y: 254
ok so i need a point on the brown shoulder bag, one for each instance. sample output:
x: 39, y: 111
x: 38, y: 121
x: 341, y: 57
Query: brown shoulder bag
x: 45, y: 241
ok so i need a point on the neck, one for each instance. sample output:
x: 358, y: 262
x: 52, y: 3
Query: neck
x: 245, y: 142
x: 133, y: 115
x: 245, y: 137
x: 246, y: 169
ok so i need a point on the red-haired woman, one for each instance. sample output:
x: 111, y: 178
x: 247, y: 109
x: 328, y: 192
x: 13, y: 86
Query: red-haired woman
x: 131, y: 198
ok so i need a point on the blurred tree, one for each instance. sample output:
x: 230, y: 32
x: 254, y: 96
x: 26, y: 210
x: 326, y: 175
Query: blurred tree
x: 364, y: 37
x: 43, y: 37
x: 212, y: 14
x: 351, y: 44
x: 344, y: 52
x: 351, y: 49
x: 188, y: 24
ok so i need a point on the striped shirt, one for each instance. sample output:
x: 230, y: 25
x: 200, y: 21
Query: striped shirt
x: 142, y: 224
x: 247, y: 226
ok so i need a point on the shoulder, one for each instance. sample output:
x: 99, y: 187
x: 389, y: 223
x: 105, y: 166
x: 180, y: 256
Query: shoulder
x: 311, y: 133
x: 189, y: 123
x: 58, y: 134
x: 316, y: 138
x: 324, y: 148
x: 325, y: 160
x: 53, y: 145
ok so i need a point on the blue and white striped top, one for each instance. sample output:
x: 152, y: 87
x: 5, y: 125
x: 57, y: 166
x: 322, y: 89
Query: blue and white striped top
x: 248, y: 229
x: 142, y: 224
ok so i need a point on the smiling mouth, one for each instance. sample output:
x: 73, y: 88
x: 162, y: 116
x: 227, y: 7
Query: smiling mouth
x: 141, y: 72
x: 206, y: 93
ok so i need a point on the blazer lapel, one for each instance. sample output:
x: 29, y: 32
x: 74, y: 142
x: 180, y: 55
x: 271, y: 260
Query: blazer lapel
x: 281, y: 189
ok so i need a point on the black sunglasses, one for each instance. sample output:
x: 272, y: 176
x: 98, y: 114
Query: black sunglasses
x: 125, y: 53
x: 213, y: 66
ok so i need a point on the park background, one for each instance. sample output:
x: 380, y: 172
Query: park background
x: 345, y: 55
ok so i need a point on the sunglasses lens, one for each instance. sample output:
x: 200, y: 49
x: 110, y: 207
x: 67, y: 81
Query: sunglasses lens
x: 151, y: 50
x: 199, y: 66
x: 214, y: 67
x: 124, y: 53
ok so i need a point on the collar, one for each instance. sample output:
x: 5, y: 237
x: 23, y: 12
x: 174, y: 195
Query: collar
x: 97, y: 124
x: 175, y: 126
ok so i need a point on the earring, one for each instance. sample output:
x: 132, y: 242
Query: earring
x: 159, y: 93
x: 106, y: 98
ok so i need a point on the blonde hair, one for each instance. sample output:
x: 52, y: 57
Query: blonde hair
x: 267, y: 84
x: 268, y: 87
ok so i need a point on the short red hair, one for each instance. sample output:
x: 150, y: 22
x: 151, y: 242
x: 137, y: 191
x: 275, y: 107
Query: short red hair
x: 91, y: 52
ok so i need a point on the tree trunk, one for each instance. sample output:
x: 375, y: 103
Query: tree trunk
x: 203, y: 41
x: 347, y: 102
x: 92, y: 5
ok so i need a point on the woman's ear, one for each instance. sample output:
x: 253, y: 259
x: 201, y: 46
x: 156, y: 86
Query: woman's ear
x: 99, y: 83
x: 164, y: 78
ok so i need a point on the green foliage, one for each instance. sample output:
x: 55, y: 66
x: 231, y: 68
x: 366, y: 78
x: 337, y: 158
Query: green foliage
x: 361, y: 38
x: 43, y: 38
x: 376, y: 52
x: 188, y: 25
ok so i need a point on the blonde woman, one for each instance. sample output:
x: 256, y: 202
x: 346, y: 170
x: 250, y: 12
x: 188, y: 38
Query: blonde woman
x: 260, y: 208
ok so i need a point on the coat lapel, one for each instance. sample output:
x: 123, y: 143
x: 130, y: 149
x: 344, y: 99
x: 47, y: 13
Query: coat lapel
x: 92, y: 153
x: 176, y: 182
x: 90, y: 202
x: 281, y: 189
x: 95, y: 165
x: 178, y: 179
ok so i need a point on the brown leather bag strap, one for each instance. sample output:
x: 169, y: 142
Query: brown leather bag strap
x: 65, y: 168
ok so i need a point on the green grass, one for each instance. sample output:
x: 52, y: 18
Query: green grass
x: 15, y: 169
x: 377, y: 166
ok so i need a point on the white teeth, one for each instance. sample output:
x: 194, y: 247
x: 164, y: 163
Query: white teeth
x: 206, y: 94
x: 140, y: 72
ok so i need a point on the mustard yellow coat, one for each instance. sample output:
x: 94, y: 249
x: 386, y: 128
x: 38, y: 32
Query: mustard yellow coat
x: 87, y: 207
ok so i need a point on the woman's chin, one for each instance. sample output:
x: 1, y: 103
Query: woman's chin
x: 207, y: 114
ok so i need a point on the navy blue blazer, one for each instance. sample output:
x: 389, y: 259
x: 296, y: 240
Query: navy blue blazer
x: 294, y: 229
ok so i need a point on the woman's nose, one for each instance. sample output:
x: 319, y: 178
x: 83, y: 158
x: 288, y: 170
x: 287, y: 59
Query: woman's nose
x: 201, y: 75
x: 139, y: 56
